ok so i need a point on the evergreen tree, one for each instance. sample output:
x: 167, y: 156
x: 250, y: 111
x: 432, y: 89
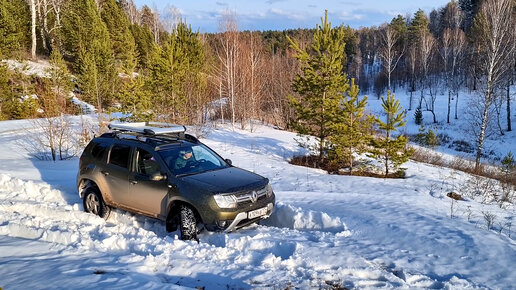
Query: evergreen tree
x: 134, y: 96
x: 352, y: 130
x: 87, y: 43
x: 320, y: 84
x: 470, y: 9
x: 174, y: 66
x: 6, y: 93
x: 508, y: 164
x: 118, y: 26
x: 392, y: 151
x: 60, y: 79
x: 418, y: 26
x: 14, y: 26
x: 418, y: 116
x: 144, y: 44
x: 20, y: 102
x: 400, y: 26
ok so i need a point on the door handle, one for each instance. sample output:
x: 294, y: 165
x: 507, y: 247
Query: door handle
x: 105, y: 172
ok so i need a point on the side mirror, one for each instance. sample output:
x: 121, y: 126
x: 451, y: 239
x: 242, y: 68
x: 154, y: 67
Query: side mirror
x: 157, y: 177
x: 228, y: 161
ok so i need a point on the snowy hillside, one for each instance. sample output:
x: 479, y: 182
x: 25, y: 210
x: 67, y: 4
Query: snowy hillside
x: 326, y: 231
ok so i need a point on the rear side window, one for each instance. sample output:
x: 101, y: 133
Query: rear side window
x: 120, y: 155
x: 98, y: 150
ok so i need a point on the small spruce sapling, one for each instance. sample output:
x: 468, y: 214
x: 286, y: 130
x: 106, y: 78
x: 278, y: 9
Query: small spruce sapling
x: 418, y: 116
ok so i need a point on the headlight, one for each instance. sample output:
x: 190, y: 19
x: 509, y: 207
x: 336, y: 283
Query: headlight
x: 268, y: 190
x: 225, y: 201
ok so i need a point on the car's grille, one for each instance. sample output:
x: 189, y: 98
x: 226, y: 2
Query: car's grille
x: 248, y: 197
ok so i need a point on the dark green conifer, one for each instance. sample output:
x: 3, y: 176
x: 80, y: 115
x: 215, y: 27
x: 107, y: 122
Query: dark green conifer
x: 320, y: 84
x: 352, y: 128
x: 14, y: 26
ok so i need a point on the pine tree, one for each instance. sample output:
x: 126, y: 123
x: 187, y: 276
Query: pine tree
x: 418, y: 26
x: 6, y: 93
x: 14, y: 26
x: 399, y: 25
x: 320, y: 84
x: 88, y: 44
x: 174, y: 68
x: 60, y: 79
x: 144, y: 44
x: 120, y: 35
x: 389, y: 149
x: 352, y: 130
x: 134, y: 96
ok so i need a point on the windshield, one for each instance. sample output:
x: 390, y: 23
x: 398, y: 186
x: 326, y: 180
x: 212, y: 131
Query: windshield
x: 191, y: 159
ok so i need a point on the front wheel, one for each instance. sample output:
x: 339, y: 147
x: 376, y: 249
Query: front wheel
x: 94, y: 203
x: 187, y: 223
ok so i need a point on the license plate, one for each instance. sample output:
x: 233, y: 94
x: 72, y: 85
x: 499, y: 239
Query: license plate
x: 256, y: 213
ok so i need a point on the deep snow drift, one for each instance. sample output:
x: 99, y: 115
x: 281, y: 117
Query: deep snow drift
x: 326, y: 230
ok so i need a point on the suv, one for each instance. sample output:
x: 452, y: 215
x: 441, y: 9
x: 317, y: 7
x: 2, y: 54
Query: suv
x: 157, y: 170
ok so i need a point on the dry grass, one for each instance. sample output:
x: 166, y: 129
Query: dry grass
x: 464, y: 165
x: 336, y: 168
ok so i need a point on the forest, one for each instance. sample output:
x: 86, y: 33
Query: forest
x: 152, y: 65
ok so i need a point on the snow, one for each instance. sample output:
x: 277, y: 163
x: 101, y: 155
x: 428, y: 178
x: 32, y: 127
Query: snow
x: 326, y: 230
x: 29, y: 67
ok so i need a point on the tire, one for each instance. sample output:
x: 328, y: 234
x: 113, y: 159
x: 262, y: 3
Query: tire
x: 187, y: 223
x: 94, y: 203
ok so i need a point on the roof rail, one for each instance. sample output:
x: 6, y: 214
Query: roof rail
x: 148, y: 128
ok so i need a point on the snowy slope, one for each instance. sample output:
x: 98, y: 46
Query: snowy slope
x: 326, y: 230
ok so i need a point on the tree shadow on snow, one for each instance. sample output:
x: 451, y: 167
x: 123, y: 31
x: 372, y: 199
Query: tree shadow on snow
x: 256, y: 145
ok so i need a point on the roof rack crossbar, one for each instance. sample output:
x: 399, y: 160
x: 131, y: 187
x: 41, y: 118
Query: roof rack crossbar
x: 148, y: 128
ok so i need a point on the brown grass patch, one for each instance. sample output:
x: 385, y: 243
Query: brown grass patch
x: 313, y: 161
x: 462, y: 164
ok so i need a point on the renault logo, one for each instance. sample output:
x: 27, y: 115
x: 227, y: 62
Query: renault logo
x: 254, y: 196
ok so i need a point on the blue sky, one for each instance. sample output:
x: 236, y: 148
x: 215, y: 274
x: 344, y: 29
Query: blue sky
x: 285, y: 14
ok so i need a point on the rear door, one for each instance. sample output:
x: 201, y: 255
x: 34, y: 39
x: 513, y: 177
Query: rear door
x: 116, y: 173
x: 149, y: 196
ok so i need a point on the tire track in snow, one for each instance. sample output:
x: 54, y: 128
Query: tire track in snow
x: 296, y: 247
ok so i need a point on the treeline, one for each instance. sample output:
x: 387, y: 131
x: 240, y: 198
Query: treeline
x: 152, y: 65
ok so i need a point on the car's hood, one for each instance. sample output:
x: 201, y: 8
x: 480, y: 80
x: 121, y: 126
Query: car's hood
x: 231, y: 179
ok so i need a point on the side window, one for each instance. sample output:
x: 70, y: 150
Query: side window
x: 145, y: 162
x: 120, y: 155
x: 98, y: 150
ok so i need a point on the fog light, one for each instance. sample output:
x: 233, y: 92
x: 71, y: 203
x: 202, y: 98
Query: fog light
x: 222, y: 224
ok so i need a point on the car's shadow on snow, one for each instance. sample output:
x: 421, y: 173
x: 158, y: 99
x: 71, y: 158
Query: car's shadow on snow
x: 60, y: 175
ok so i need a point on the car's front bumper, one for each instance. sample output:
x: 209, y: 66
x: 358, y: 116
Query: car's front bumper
x: 242, y: 219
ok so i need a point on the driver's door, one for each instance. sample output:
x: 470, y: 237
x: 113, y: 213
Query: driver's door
x: 150, y: 196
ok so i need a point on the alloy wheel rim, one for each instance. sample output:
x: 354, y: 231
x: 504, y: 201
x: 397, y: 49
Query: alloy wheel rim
x: 93, y: 204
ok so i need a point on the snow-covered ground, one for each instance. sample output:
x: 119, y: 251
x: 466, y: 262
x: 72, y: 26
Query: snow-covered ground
x: 326, y: 230
x: 459, y: 130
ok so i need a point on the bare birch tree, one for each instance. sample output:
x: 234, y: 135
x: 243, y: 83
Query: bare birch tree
x: 412, y: 59
x: 426, y: 54
x: 453, y: 44
x: 493, y: 31
x: 228, y: 55
x: 389, y: 54
x: 32, y: 4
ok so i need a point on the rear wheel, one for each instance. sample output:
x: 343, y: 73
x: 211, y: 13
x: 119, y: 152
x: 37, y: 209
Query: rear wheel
x: 187, y: 223
x: 94, y: 203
